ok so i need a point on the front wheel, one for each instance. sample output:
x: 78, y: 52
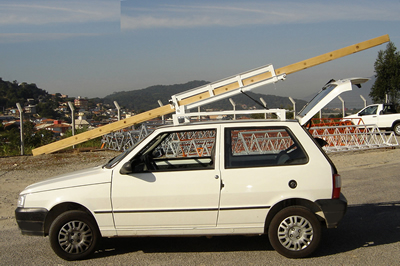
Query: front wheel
x: 74, y: 235
x: 396, y: 129
x: 294, y: 232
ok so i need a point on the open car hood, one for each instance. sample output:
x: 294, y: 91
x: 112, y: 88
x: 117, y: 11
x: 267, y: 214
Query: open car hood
x: 329, y: 92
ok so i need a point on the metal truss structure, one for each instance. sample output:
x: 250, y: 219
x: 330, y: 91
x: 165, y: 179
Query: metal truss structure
x: 189, y: 144
x: 261, y: 142
x: 124, y: 139
x: 340, y: 136
x: 348, y: 136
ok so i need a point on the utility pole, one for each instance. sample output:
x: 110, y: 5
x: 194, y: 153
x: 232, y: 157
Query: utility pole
x: 265, y: 106
x: 343, y: 111
x: 118, y: 109
x: 21, y: 126
x: 162, y: 117
x: 365, y: 101
x: 294, y: 107
x: 71, y: 106
x: 234, y: 108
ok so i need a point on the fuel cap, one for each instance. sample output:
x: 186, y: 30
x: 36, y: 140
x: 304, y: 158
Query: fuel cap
x: 292, y: 184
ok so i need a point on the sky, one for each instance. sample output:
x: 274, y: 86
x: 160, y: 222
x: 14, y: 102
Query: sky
x: 93, y: 48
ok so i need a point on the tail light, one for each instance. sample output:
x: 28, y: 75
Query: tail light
x: 337, y: 185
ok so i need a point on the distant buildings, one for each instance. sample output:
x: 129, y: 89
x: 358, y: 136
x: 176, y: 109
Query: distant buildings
x: 81, y: 103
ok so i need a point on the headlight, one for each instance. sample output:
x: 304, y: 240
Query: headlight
x: 21, y: 201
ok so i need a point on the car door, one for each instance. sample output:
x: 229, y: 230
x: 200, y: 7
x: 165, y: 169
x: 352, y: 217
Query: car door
x: 369, y: 115
x: 262, y: 166
x: 174, y: 184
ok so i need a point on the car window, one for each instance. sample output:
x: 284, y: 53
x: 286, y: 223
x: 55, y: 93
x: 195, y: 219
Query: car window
x: 389, y: 109
x: 258, y: 147
x: 181, y: 150
x: 371, y: 110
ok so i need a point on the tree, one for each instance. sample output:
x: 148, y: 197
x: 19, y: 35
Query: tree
x: 387, y: 74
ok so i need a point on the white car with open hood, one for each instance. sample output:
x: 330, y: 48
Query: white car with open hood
x: 240, y: 177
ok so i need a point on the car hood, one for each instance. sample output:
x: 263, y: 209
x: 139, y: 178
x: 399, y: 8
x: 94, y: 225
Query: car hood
x: 84, y: 177
x: 352, y: 116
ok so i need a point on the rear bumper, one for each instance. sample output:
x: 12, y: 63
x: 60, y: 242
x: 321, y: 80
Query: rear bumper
x: 333, y: 209
x: 31, y: 220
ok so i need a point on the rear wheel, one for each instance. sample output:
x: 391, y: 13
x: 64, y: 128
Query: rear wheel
x: 295, y: 232
x: 74, y: 235
x: 396, y: 129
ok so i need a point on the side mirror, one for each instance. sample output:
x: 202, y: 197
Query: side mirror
x: 126, y: 168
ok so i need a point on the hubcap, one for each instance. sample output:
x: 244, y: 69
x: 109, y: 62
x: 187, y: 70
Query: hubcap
x: 75, y: 237
x: 397, y: 129
x: 295, y: 233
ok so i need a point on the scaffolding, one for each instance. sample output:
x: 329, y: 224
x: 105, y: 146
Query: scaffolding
x: 340, y: 136
x: 122, y: 140
x: 261, y: 141
x: 346, y: 135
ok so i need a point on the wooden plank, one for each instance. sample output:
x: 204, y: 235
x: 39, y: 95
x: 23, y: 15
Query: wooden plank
x: 314, y: 61
x: 166, y: 109
x: 332, y: 55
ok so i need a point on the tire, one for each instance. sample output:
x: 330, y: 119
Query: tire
x: 396, y: 129
x: 295, y: 232
x: 74, y: 235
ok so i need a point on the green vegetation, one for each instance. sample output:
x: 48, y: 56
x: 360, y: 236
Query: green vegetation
x: 12, y: 92
x: 387, y: 69
x: 93, y: 143
x: 10, y: 144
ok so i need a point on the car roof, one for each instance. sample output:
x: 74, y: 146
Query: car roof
x: 240, y: 121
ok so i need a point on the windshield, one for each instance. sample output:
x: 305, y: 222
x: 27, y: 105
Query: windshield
x: 118, y: 158
x: 325, y: 91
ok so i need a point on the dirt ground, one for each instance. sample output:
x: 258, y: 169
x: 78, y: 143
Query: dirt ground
x: 20, y: 171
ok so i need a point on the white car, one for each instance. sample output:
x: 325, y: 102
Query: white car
x: 250, y: 177
x: 241, y: 177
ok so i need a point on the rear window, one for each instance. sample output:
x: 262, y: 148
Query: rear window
x: 259, y: 147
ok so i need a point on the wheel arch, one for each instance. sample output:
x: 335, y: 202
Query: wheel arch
x: 61, y: 208
x: 395, y: 122
x: 291, y: 202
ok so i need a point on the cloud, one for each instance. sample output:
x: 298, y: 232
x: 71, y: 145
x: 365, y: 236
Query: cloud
x: 254, y: 13
x: 29, y: 37
x: 49, y: 12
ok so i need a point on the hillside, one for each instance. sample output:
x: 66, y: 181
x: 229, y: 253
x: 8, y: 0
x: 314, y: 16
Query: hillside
x: 146, y: 99
x: 12, y: 93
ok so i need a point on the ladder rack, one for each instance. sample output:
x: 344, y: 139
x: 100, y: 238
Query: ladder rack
x: 244, y: 82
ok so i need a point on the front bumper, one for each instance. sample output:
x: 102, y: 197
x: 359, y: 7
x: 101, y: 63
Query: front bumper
x: 333, y: 209
x: 31, y: 220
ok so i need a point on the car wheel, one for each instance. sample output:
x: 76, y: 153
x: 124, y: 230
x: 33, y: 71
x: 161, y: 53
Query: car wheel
x: 294, y: 232
x: 396, y: 129
x: 74, y: 235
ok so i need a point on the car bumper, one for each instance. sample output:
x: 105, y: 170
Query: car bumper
x: 31, y: 220
x: 333, y: 209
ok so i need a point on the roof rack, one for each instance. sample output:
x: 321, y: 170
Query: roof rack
x: 185, y: 118
x: 177, y: 101
x: 243, y: 80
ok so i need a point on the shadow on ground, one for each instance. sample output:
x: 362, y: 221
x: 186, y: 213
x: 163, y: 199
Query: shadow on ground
x: 363, y: 226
